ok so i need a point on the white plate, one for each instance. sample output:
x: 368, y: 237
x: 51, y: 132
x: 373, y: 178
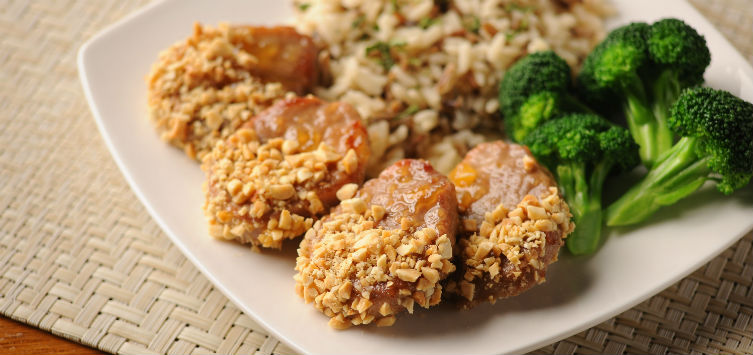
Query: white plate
x: 580, y: 293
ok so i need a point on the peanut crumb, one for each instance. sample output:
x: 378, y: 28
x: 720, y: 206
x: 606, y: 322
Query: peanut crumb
x: 529, y: 164
x: 201, y: 90
x: 356, y: 273
x: 264, y: 192
x: 346, y: 191
x: 514, y: 241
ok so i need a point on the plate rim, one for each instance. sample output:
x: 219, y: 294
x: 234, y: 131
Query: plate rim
x: 81, y: 60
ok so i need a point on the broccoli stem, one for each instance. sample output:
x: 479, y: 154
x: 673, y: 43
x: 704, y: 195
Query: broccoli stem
x: 584, y: 198
x: 587, y: 234
x: 642, y: 123
x: 678, y: 173
x: 666, y: 90
x: 572, y: 180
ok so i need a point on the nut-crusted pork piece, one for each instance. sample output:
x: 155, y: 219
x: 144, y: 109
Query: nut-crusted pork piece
x: 384, y: 250
x: 513, y: 222
x: 203, y: 88
x: 269, y: 181
x: 281, y: 55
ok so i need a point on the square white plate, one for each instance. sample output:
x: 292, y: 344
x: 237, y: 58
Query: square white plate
x: 580, y: 293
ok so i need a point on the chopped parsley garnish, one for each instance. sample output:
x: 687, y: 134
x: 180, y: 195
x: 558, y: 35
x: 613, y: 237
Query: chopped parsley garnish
x: 426, y: 22
x: 517, y: 7
x: 358, y: 21
x: 382, y: 52
x: 523, y: 24
x: 395, y: 6
x: 511, y: 34
x: 412, y: 109
x: 397, y: 44
x: 304, y: 6
x: 474, y: 25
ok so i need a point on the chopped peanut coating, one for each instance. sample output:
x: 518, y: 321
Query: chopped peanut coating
x: 358, y: 266
x: 513, y: 223
x: 264, y: 187
x: 203, y: 88
x: 511, y: 250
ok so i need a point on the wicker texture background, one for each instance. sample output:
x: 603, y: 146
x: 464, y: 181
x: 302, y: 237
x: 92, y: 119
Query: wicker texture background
x: 80, y: 256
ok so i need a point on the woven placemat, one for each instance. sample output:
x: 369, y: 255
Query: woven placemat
x: 80, y: 256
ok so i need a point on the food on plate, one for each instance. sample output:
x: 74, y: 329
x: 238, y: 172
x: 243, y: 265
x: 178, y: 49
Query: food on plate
x: 280, y: 55
x: 425, y: 73
x: 382, y: 251
x: 430, y: 79
x: 205, y: 87
x: 536, y: 89
x: 716, y: 144
x: 513, y: 222
x: 643, y: 68
x: 582, y: 150
x: 270, y: 179
x: 679, y: 58
x: 687, y: 135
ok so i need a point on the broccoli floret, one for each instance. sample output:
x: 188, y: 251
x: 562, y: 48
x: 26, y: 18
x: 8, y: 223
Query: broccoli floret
x: 679, y: 57
x: 582, y: 150
x: 676, y: 47
x: 537, y: 109
x: 716, y: 145
x: 612, y: 74
x: 537, y: 72
x: 612, y: 70
x: 534, y: 90
x: 645, y: 67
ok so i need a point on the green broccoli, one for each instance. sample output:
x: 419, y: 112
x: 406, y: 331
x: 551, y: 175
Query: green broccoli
x: 535, y: 90
x: 717, y: 145
x: 644, y: 67
x: 582, y: 150
x: 679, y: 57
x: 612, y: 74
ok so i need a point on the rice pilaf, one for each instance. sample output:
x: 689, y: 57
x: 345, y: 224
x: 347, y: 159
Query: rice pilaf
x: 424, y: 73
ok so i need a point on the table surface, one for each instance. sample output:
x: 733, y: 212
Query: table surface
x: 21, y: 339
x: 45, y: 248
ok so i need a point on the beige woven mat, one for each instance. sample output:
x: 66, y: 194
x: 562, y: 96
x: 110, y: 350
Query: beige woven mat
x: 80, y: 256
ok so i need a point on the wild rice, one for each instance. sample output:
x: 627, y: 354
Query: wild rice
x: 424, y: 73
